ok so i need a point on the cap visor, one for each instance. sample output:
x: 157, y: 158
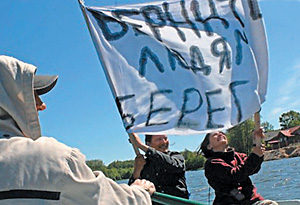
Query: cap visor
x: 44, y: 83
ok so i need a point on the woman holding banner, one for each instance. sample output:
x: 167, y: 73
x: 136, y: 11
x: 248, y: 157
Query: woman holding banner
x: 228, y: 171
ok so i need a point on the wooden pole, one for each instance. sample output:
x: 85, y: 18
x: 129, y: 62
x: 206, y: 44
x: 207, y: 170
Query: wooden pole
x: 257, y: 120
x: 136, y: 149
x: 257, y: 140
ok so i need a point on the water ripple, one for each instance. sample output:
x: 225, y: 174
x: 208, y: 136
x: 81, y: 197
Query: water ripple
x: 277, y: 180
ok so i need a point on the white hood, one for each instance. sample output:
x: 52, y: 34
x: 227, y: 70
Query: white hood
x: 18, y: 114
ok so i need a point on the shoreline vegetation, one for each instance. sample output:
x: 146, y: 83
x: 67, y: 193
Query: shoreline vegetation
x: 118, y: 170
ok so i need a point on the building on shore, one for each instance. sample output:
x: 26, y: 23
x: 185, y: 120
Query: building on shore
x: 282, y: 138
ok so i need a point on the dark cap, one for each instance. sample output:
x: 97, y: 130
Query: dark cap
x: 44, y: 83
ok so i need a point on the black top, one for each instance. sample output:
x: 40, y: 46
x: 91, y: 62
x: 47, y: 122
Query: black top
x: 166, y: 171
x: 228, y: 174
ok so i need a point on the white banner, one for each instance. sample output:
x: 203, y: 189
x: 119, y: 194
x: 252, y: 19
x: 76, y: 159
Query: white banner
x: 182, y: 67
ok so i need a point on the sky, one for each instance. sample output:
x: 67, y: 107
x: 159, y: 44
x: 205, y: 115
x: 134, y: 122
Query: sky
x: 81, y: 112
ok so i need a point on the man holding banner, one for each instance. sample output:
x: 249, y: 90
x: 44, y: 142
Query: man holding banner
x: 165, y: 168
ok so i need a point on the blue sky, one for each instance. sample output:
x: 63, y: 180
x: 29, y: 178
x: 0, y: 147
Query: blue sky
x: 81, y: 112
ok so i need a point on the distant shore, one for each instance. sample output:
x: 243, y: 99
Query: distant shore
x: 290, y: 151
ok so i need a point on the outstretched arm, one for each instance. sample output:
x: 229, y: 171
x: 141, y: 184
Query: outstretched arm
x: 99, y: 189
x: 137, y: 142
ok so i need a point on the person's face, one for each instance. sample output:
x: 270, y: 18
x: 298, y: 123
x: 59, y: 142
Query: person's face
x: 217, y: 141
x: 40, y: 106
x: 160, y: 143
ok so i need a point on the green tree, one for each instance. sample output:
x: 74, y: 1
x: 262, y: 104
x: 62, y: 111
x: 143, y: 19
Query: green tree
x: 267, y: 126
x: 121, y: 164
x: 193, y: 161
x: 113, y: 173
x: 96, y: 165
x: 116, y: 170
x: 289, y: 119
x: 240, y: 136
x: 126, y: 173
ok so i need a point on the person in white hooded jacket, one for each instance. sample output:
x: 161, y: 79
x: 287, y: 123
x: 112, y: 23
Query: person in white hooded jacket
x: 41, y: 170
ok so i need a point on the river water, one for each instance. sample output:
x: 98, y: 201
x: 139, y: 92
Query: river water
x: 277, y: 180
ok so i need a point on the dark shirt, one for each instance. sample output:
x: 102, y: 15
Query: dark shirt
x: 228, y: 174
x: 166, y: 171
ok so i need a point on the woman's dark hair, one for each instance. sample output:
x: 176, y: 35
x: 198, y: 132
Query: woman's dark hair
x: 203, y: 148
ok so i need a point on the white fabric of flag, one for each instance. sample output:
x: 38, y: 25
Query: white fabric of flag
x: 182, y: 67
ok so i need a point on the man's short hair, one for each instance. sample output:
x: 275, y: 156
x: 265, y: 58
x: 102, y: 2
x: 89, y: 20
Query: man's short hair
x: 148, y: 138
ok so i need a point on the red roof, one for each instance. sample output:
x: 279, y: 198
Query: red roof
x: 293, y: 129
x: 288, y: 132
